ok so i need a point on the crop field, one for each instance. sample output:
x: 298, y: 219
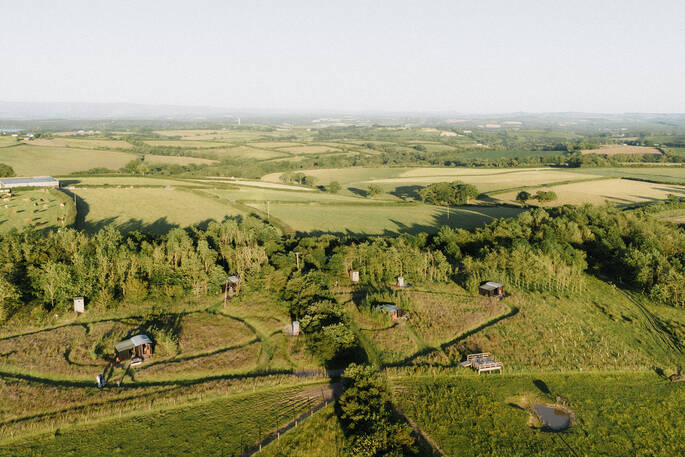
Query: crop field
x: 40, y: 209
x: 616, y: 191
x: 676, y: 216
x: 176, y: 160
x: 90, y: 143
x: 613, y: 414
x: 117, y: 180
x: 258, y: 194
x: 616, y: 149
x: 7, y: 140
x: 405, y: 181
x: 668, y: 175
x: 246, y: 152
x: 381, y: 218
x: 38, y: 160
x: 190, y: 144
x: 223, y: 426
x: 154, y: 210
x: 309, y: 149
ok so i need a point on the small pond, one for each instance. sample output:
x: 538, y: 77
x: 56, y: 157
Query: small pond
x: 553, y: 418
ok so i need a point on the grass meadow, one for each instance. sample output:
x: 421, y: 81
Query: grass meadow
x: 154, y: 210
x: 222, y: 426
x: 613, y: 414
x: 29, y: 160
x: 40, y: 209
x: 380, y: 218
x: 616, y: 191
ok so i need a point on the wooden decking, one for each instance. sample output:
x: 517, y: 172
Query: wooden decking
x: 482, y: 362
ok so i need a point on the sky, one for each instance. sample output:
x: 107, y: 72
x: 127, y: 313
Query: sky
x: 475, y: 56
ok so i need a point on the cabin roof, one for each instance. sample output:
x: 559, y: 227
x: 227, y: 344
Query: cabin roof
x: 234, y: 279
x: 132, y: 342
x: 491, y: 285
x: 388, y: 308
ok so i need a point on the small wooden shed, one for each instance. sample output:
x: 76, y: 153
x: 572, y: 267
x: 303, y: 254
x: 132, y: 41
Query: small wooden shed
x: 79, y: 305
x: 354, y: 276
x: 232, y: 285
x: 137, y: 348
x: 491, y: 289
x: 393, y: 311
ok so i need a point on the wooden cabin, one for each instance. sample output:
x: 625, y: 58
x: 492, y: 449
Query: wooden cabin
x: 137, y: 349
x: 491, y: 289
x: 232, y: 285
x: 392, y: 310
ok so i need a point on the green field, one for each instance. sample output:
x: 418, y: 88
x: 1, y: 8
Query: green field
x: 366, y: 219
x: 175, y: 160
x: 28, y: 160
x: 152, y: 210
x: 614, y: 414
x: 672, y: 174
x: 40, y: 209
x: 222, y: 426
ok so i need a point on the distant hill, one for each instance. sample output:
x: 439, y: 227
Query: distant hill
x: 38, y: 111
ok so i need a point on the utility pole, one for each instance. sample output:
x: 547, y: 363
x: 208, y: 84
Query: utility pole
x: 297, y: 256
x: 268, y: 212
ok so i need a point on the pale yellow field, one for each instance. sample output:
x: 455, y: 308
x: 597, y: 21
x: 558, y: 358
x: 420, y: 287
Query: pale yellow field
x: 487, y: 183
x: 617, y: 191
x: 273, y: 144
x: 185, y: 144
x: 81, y: 143
x: 616, y: 149
x: 310, y: 149
x: 242, y: 182
x: 157, y: 159
x: 247, y: 152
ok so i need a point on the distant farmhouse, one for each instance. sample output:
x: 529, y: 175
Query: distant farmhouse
x: 37, y: 181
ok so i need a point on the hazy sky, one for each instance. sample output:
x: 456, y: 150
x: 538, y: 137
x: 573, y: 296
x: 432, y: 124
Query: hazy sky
x: 462, y: 56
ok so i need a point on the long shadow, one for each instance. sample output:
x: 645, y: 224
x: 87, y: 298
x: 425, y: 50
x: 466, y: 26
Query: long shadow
x: 198, y: 356
x: 429, y: 350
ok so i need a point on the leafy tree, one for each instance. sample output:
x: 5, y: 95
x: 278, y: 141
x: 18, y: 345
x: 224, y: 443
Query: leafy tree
x: 9, y: 295
x: 545, y: 196
x: 334, y: 187
x: 448, y: 193
x: 374, y: 189
x: 522, y: 197
x: 366, y: 412
x: 6, y: 171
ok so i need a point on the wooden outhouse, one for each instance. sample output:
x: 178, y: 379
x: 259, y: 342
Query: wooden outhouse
x: 491, y: 289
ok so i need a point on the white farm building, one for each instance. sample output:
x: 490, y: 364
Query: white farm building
x: 37, y: 181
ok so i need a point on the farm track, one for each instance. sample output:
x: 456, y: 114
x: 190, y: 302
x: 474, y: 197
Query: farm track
x: 656, y: 325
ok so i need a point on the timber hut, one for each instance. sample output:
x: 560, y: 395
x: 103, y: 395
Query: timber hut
x: 491, y: 289
x: 392, y: 310
x: 136, y: 348
x: 232, y: 285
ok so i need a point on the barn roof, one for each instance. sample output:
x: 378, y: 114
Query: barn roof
x: 33, y: 180
x: 132, y: 342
